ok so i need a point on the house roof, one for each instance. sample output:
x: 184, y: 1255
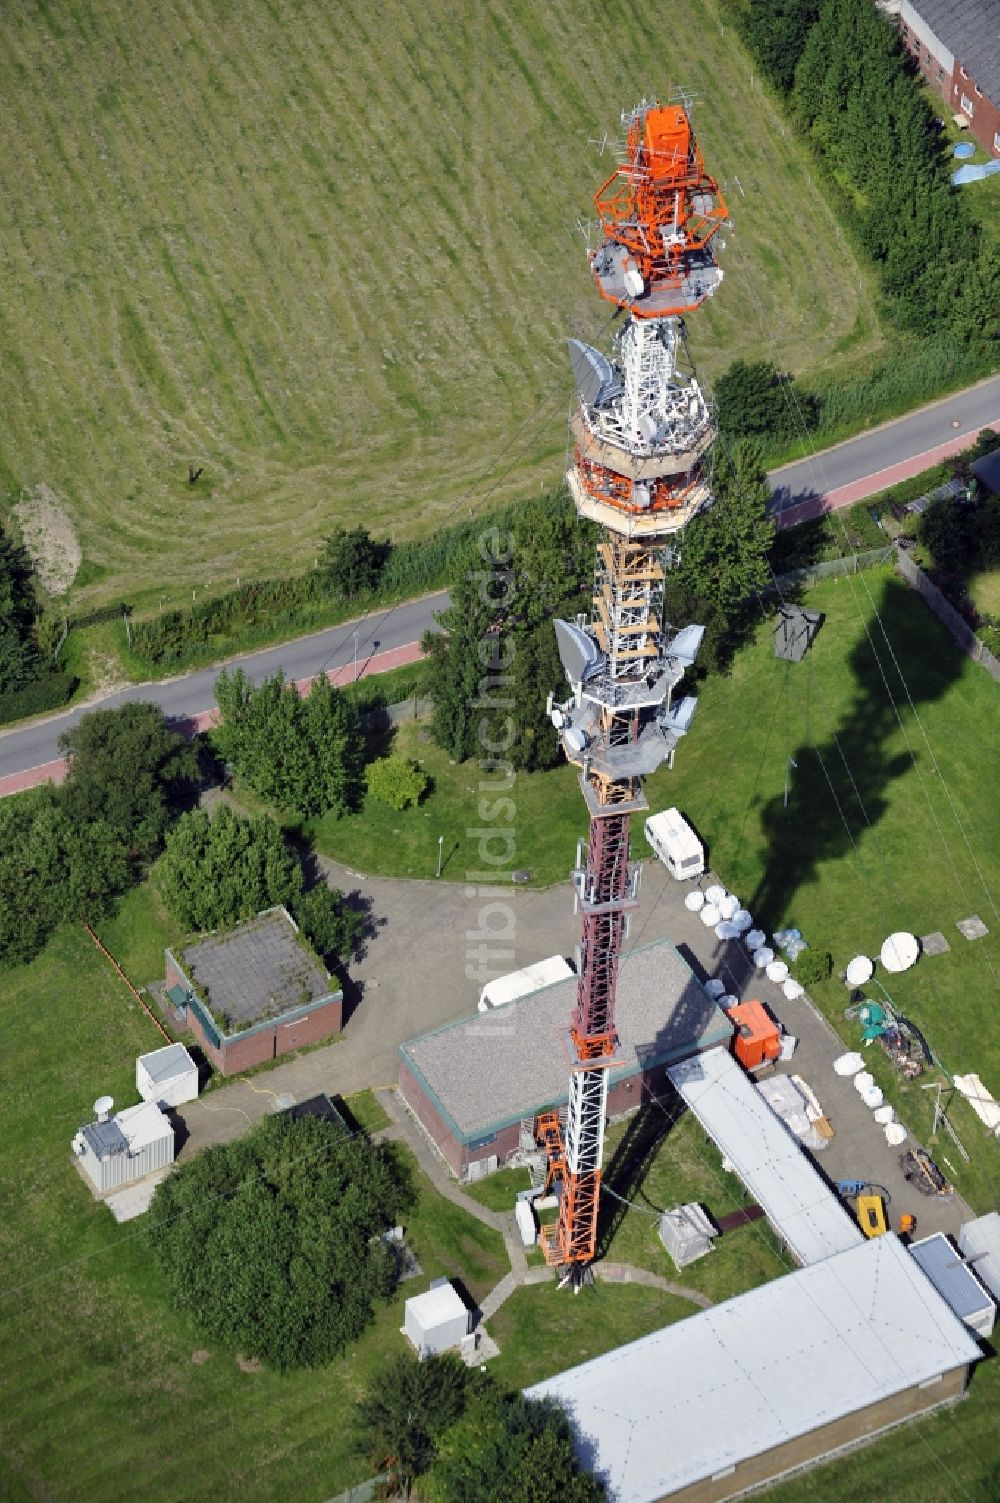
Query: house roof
x: 490, y: 1070
x: 143, y: 1124
x: 737, y: 1380
x: 796, y: 1199
x: 980, y: 1239
x: 971, y: 30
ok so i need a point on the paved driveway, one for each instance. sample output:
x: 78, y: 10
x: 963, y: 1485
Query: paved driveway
x: 413, y: 978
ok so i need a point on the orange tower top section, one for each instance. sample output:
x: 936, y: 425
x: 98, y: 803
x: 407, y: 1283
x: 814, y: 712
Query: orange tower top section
x: 659, y: 213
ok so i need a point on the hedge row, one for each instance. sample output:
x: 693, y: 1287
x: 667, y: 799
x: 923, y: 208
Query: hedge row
x: 44, y: 694
x: 266, y: 609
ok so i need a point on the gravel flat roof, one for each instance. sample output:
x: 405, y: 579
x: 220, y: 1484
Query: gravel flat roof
x: 259, y: 970
x: 497, y: 1067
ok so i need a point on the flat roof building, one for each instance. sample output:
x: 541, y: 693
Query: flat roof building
x: 472, y: 1083
x: 255, y: 992
x: 769, y: 1382
x: 810, y: 1219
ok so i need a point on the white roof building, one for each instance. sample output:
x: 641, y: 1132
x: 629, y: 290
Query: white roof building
x: 132, y: 1144
x: 168, y: 1076
x: 436, y: 1321
x: 751, y: 1388
x: 798, y: 1202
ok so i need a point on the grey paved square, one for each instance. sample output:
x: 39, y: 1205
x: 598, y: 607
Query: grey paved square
x: 934, y: 944
x: 973, y: 927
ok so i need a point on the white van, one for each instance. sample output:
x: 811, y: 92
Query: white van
x: 676, y: 844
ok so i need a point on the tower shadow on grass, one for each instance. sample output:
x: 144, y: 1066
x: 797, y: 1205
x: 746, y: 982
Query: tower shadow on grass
x: 840, y: 791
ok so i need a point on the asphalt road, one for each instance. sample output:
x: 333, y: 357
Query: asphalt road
x: 397, y: 626
x: 834, y: 470
x: 905, y: 438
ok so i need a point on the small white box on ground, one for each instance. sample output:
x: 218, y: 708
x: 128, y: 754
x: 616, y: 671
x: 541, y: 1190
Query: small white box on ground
x: 437, y: 1321
x: 168, y: 1076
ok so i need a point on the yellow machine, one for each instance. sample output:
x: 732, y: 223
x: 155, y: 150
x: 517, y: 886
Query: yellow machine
x: 871, y: 1215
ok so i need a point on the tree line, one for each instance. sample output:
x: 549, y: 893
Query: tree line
x: 851, y: 87
x: 28, y: 684
x: 68, y: 853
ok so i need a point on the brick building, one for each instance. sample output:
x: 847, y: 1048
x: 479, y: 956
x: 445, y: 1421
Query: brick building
x: 471, y: 1084
x: 254, y: 993
x: 956, y: 46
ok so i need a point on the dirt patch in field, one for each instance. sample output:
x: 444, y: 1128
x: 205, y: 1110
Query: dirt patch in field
x: 105, y: 674
x: 49, y: 537
x: 249, y: 1364
x: 200, y: 1357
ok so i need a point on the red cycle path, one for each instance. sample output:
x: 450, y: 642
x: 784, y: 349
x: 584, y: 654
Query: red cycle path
x: 54, y: 772
x: 846, y: 495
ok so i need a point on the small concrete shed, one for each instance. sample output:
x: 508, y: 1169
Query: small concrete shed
x: 124, y: 1148
x: 436, y: 1321
x: 168, y: 1076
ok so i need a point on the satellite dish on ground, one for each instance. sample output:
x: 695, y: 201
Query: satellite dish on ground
x: 102, y: 1107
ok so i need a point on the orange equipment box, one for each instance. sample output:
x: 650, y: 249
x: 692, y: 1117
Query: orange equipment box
x: 757, y: 1040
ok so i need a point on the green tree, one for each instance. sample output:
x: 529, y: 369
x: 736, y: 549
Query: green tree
x: 404, y: 1412
x: 19, y: 660
x: 273, y: 1244
x: 397, y: 781
x: 301, y: 754
x: 949, y: 532
x: 724, y: 553
x: 753, y: 400
x: 509, y: 1449
x: 354, y: 561
x: 776, y: 32
x: 331, y: 926
x: 127, y: 769
x: 217, y: 872
x: 53, y: 870
x: 492, y: 667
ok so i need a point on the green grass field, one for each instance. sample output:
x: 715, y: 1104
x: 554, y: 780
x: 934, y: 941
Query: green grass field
x: 890, y: 823
x: 330, y: 255
x: 100, y: 1392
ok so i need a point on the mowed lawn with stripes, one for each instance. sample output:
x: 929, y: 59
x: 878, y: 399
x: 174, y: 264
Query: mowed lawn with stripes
x: 329, y: 254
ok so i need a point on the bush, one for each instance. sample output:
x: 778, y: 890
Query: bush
x: 990, y: 638
x: 46, y: 693
x: 217, y: 872
x: 814, y: 966
x: 274, y: 1243
x: 397, y: 781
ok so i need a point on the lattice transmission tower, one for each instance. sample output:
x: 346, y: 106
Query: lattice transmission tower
x: 643, y: 435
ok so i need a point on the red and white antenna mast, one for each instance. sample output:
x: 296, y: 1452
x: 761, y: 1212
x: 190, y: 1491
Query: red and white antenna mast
x: 643, y: 435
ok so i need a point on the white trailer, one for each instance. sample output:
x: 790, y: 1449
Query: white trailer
x: 521, y: 983
x: 676, y: 844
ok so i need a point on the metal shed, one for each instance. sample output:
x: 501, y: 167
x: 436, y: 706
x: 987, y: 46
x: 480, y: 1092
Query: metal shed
x: 168, y: 1076
x: 956, y: 1282
x: 436, y: 1321
x: 134, y: 1143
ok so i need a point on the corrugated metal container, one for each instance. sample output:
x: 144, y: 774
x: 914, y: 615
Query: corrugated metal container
x: 133, y: 1144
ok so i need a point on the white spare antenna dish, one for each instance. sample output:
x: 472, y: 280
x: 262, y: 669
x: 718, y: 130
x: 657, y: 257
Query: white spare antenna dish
x: 102, y: 1107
